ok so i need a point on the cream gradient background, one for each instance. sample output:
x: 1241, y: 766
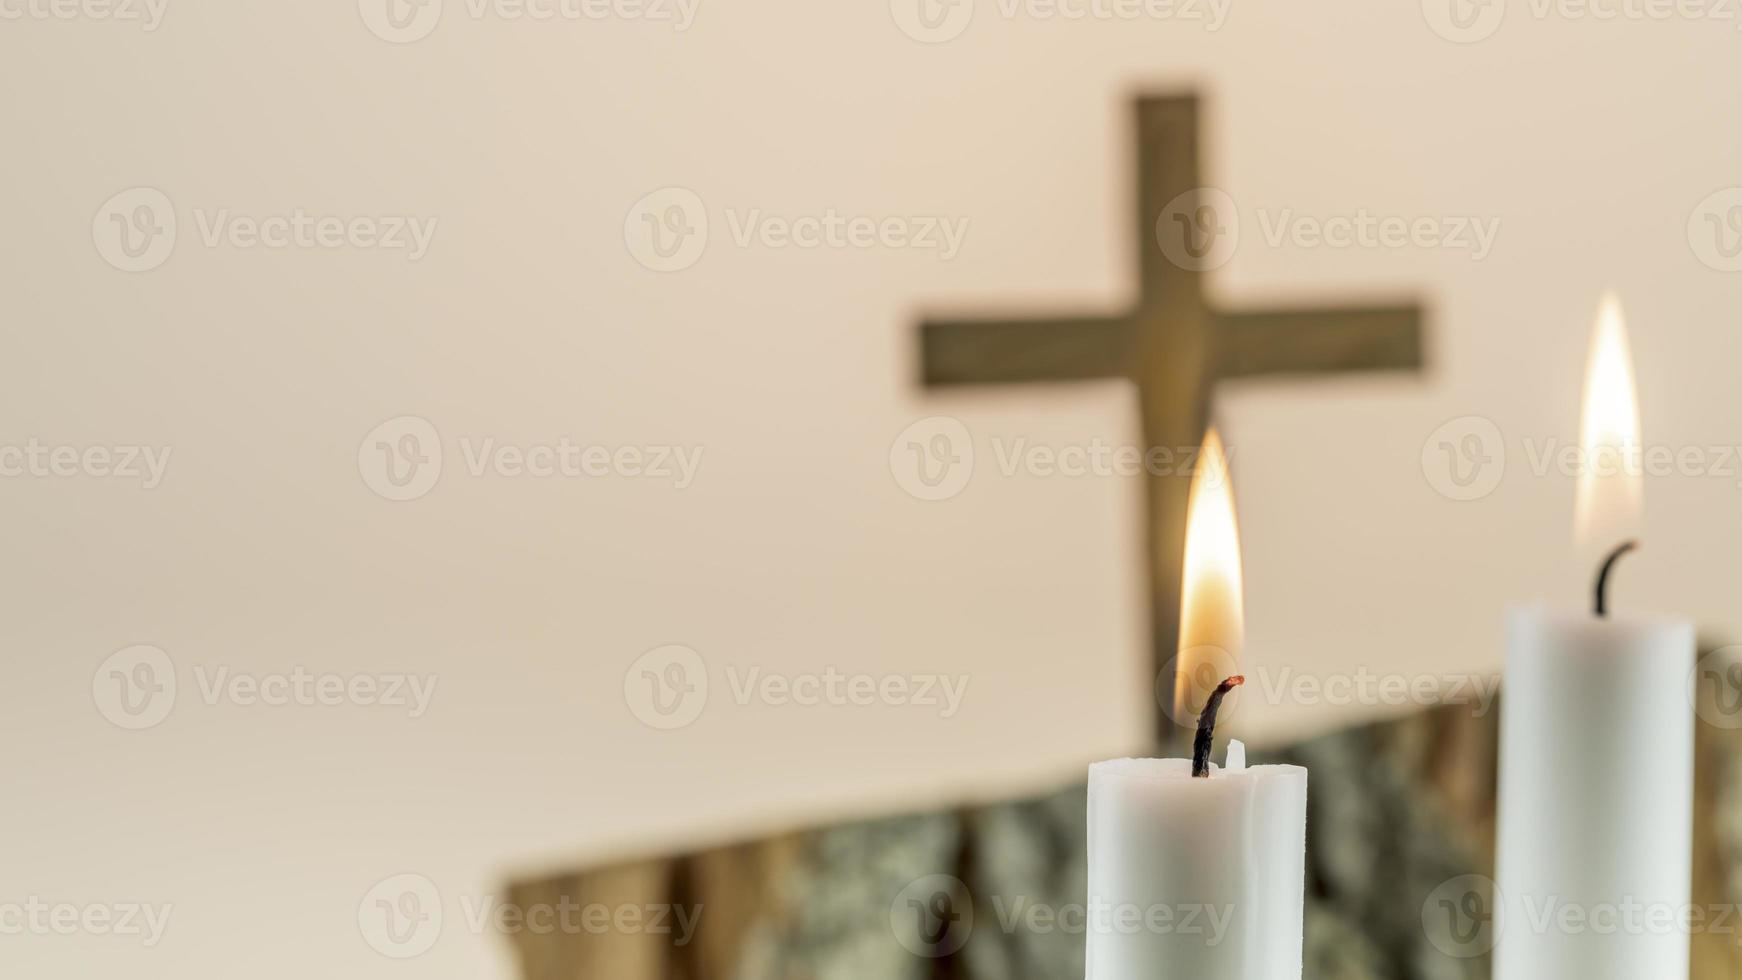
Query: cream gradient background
x: 1591, y: 141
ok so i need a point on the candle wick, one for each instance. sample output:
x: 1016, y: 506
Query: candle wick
x: 1602, y: 590
x: 1207, y: 726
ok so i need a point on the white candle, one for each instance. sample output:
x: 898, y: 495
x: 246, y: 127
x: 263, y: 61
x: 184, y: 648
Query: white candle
x: 1201, y: 879
x: 1596, y: 746
x: 1198, y: 878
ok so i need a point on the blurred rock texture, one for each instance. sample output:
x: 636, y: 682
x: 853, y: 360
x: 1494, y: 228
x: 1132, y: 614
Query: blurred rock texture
x: 1395, y: 810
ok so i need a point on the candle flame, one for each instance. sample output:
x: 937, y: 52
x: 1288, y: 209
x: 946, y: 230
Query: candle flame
x: 1609, y: 500
x: 1212, y: 620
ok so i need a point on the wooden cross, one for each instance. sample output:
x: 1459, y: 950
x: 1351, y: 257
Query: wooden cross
x: 1173, y: 345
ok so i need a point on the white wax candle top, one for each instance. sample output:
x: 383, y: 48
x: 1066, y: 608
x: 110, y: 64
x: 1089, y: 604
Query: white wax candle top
x: 1596, y: 799
x: 1163, y: 845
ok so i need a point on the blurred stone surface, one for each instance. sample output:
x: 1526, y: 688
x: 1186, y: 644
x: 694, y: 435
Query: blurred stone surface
x: 1395, y: 811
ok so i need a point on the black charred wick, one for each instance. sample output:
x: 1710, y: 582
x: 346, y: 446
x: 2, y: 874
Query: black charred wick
x: 1207, y: 726
x: 1602, y: 589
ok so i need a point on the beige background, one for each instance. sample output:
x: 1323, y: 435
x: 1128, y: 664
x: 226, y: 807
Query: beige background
x: 1591, y: 141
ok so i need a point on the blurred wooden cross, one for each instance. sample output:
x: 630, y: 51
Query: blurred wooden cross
x: 1174, y: 346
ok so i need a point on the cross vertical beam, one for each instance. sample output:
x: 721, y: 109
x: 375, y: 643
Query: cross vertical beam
x: 1173, y: 346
